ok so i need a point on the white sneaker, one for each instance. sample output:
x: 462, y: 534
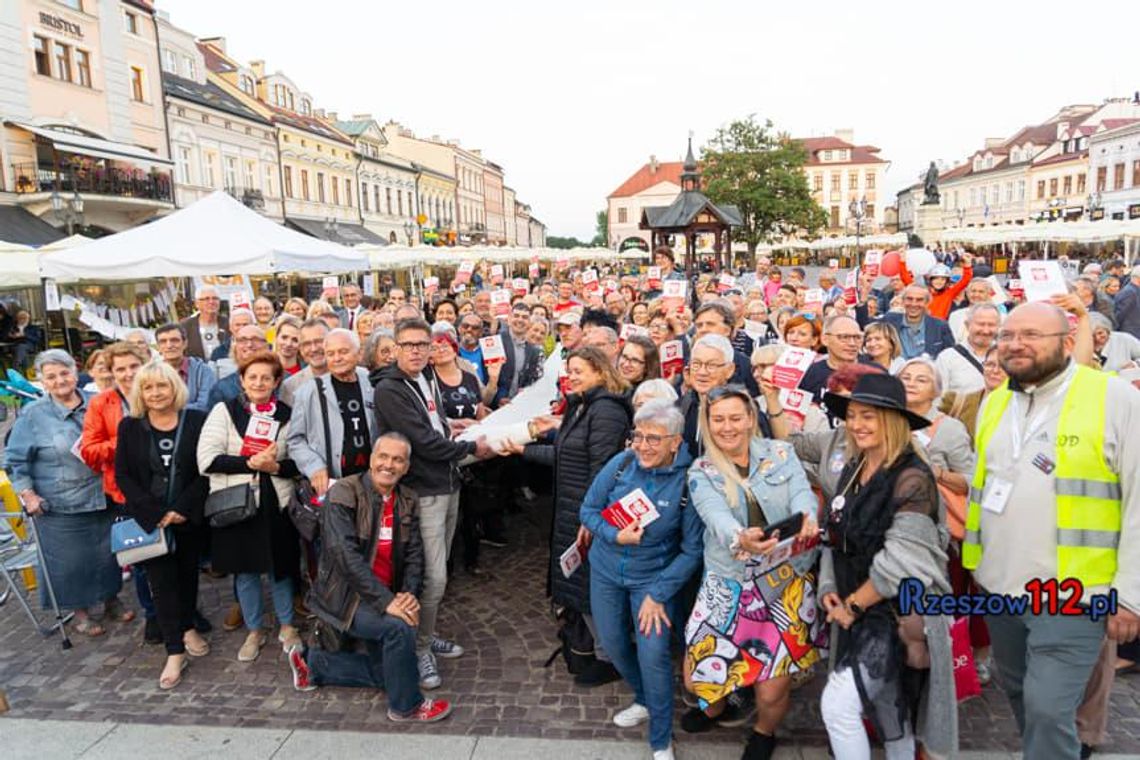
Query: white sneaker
x: 663, y: 754
x: 634, y: 715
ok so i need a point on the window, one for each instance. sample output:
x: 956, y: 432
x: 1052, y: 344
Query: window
x: 289, y: 94
x: 376, y: 198
x: 189, y: 67
x: 63, y: 61
x: 364, y: 197
x: 1067, y: 185
x: 1040, y: 189
x: 83, y: 67
x: 250, y: 175
x: 869, y: 180
x: 169, y: 62
x: 622, y: 219
x: 870, y: 210
x: 1118, y: 176
x: 305, y: 184
x: 995, y: 195
x: 834, y: 216
x: 1080, y: 184
x: 973, y: 197
x: 267, y: 188
x: 1009, y: 192
x: 835, y: 179
x: 288, y: 181
x: 335, y: 191
x: 1101, y: 178
x: 1136, y: 174
x: 43, y: 56
x: 1053, y: 187
x: 246, y: 84
x: 136, y: 84
x: 321, y: 187
x: 209, y: 179
x: 388, y: 193
x: 827, y: 157
x: 1021, y: 189
x: 131, y: 22
x: 400, y: 202
x: 817, y: 182
x: 306, y: 106
x: 852, y: 181
x: 231, y: 173
x: 182, y: 167
x: 348, y: 193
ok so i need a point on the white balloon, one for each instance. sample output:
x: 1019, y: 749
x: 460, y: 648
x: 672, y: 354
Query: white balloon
x: 919, y: 261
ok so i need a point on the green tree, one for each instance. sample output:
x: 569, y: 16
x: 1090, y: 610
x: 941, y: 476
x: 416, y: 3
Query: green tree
x: 602, y: 229
x: 564, y: 243
x: 760, y: 171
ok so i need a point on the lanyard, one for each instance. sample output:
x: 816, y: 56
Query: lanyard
x: 1035, y: 424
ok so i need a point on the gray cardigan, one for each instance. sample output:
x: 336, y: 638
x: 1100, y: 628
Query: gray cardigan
x: 307, y: 431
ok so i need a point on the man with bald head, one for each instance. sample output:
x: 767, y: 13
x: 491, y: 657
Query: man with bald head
x: 843, y: 339
x: 1055, y: 497
x: 919, y: 332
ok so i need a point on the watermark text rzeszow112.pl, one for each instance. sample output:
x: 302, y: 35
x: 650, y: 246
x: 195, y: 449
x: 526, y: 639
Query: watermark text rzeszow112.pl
x: 1041, y: 597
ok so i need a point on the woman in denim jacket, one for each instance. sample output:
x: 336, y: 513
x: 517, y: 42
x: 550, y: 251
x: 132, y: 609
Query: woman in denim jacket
x: 751, y: 625
x: 65, y: 496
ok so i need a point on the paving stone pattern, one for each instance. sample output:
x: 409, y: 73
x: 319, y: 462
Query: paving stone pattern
x: 500, y: 687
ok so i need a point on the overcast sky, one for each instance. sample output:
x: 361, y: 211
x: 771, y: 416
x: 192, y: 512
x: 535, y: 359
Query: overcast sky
x: 571, y: 98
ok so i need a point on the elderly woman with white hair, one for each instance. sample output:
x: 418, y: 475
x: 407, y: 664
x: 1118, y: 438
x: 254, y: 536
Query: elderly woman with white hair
x: 64, y: 496
x: 638, y: 570
x: 1113, y: 350
x: 648, y: 390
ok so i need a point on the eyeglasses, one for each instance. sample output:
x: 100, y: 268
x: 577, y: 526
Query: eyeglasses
x: 1027, y: 336
x: 652, y: 439
x: 419, y: 345
x: 631, y: 359
x: 699, y: 366
x: 247, y: 341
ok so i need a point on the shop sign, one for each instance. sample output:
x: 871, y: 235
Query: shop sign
x: 634, y: 242
x: 61, y: 25
x: 1134, y: 211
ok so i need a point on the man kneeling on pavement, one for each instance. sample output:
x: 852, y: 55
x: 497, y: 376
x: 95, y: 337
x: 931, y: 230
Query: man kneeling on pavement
x: 368, y: 587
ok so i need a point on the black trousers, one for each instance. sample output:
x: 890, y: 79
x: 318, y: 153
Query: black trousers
x: 174, y: 585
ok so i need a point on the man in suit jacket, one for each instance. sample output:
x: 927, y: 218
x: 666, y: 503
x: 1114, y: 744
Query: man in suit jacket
x: 350, y: 297
x: 524, y: 361
x: 919, y: 332
x: 207, y: 329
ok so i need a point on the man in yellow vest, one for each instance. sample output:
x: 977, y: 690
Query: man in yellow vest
x: 1055, y: 496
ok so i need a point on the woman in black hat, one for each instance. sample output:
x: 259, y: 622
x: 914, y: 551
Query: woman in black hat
x: 882, y: 528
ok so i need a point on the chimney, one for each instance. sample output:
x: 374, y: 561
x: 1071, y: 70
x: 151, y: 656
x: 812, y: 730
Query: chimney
x: 258, y: 68
x: 653, y: 165
x: 846, y: 135
x: 1062, y: 128
x: 218, y: 42
x: 994, y: 142
x: 331, y: 115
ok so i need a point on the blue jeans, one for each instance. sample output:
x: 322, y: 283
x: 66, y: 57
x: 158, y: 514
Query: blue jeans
x: 647, y: 668
x: 142, y: 591
x: 390, y: 663
x: 248, y: 588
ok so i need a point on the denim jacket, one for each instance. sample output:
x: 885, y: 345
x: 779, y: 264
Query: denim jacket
x: 670, y: 548
x: 780, y: 485
x: 39, y: 456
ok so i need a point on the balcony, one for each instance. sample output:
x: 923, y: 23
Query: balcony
x: 97, y: 180
x: 251, y: 198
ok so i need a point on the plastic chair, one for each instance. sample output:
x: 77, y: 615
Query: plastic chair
x: 23, y: 553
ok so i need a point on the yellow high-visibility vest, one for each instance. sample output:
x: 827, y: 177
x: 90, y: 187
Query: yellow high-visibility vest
x: 1088, y: 495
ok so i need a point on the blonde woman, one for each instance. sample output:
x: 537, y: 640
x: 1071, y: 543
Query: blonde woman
x: 297, y: 307
x: 742, y: 485
x: 156, y: 468
x: 881, y: 345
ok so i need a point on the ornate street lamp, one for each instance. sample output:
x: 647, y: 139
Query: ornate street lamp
x: 858, y: 211
x: 409, y: 231
x: 1094, y: 203
x: 331, y: 230
x: 69, y: 211
x: 961, y: 216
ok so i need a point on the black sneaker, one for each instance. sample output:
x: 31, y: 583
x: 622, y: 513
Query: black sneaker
x: 759, y: 747
x: 201, y: 624
x: 598, y: 674
x: 697, y: 721
x: 1087, y: 751
x: 152, y: 634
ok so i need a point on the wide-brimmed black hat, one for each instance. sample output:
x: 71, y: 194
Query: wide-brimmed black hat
x: 878, y: 390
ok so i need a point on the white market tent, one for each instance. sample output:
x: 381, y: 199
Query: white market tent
x: 389, y: 257
x: 19, y: 266
x: 216, y: 235
x: 1102, y: 231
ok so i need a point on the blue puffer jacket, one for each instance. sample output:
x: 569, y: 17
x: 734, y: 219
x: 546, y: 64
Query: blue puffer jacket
x: 670, y: 548
x: 778, y: 481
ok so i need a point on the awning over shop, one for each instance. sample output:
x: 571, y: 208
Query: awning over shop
x: 343, y: 233
x: 94, y: 146
x: 18, y: 225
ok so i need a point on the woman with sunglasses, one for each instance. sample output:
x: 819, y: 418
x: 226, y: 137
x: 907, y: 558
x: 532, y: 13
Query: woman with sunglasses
x: 742, y: 485
x: 637, y: 571
x: 883, y: 528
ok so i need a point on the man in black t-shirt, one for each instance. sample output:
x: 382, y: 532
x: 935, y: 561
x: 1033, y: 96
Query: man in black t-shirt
x: 843, y: 339
x: 355, y: 447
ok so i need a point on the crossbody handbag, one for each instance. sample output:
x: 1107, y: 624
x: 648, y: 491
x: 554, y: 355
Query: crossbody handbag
x: 233, y: 504
x: 304, y: 503
x: 129, y: 542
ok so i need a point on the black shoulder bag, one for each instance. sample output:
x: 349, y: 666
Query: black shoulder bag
x: 233, y: 504
x: 304, y: 503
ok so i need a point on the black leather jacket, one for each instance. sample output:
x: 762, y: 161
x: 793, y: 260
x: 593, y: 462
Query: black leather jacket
x: 350, y: 526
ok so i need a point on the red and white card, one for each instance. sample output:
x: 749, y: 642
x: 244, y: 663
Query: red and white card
x: 850, y: 288
x: 725, y: 283
x: 791, y: 367
x: 259, y: 434
x: 672, y: 358
x: 463, y: 276
x: 813, y: 299
x: 240, y: 299
x: 590, y: 281
x: 532, y: 270
x: 629, y: 329
x: 653, y: 278
x: 497, y: 274
x: 493, y: 351
x: 501, y: 302
x: 871, y: 262
x: 674, y: 289
x: 520, y: 286
x: 635, y: 506
x: 795, y: 403
x: 1041, y: 279
x: 431, y: 285
x: 570, y: 560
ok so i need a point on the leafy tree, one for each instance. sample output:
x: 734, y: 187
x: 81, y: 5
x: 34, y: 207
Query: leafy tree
x: 602, y: 229
x: 760, y: 171
x: 564, y: 243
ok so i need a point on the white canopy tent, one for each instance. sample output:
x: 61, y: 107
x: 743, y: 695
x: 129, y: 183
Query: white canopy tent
x: 1103, y: 231
x: 19, y: 266
x: 216, y: 235
x: 390, y: 257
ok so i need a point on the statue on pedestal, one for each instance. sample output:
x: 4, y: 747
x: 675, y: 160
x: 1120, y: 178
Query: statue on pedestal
x: 930, y: 187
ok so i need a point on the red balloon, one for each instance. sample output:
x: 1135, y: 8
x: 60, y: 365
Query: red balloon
x: 890, y: 264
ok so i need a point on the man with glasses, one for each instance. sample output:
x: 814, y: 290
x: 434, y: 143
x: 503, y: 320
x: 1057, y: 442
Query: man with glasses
x: 247, y: 342
x: 348, y: 313
x: 470, y: 331
x: 843, y: 338
x: 710, y: 366
x: 1055, y: 498
x: 206, y: 330
x: 919, y: 332
x: 199, y: 378
x: 961, y: 370
x: 222, y: 357
x: 408, y: 401
x: 603, y: 338
x: 312, y: 351
x: 718, y: 318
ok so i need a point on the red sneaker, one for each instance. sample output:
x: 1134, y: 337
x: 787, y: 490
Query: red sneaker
x: 301, y: 675
x: 429, y: 711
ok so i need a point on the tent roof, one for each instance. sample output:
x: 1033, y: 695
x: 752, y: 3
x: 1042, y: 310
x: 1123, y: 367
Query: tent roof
x: 216, y: 235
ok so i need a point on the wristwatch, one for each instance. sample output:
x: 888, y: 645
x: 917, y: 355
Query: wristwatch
x: 853, y: 607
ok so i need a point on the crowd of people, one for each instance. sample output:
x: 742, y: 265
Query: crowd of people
x: 315, y: 453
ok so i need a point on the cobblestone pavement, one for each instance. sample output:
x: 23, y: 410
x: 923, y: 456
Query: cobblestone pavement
x: 500, y: 687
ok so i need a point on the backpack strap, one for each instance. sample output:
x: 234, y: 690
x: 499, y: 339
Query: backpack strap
x: 973, y: 360
x: 325, y: 421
